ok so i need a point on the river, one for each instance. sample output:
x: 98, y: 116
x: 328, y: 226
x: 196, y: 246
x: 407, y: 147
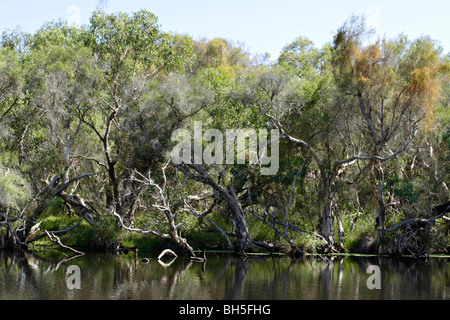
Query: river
x: 106, y: 276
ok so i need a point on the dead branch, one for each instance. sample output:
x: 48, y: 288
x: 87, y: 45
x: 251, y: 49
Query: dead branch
x: 143, y: 230
x: 163, y: 205
x: 54, y: 238
x: 166, y: 251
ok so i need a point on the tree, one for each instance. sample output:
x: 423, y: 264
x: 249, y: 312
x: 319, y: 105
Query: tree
x: 362, y: 122
x: 275, y: 93
x: 11, y: 81
x: 393, y: 86
x: 302, y: 57
x: 133, y: 51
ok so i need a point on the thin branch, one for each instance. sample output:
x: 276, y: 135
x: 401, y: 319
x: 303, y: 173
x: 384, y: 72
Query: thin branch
x: 64, y: 185
x: 143, y: 231
x: 90, y: 159
x: 9, y: 109
x: 54, y: 238
x: 196, y: 214
x: 291, y: 193
x: 338, y: 163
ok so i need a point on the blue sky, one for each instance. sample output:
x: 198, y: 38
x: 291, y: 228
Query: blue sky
x: 262, y: 25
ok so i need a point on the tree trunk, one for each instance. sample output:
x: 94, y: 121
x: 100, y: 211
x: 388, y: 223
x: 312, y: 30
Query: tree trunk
x: 327, y: 220
x: 328, y: 223
x: 243, y: 241
x: 377, y: 181
x: 173, y: 231
x: 125, y: 200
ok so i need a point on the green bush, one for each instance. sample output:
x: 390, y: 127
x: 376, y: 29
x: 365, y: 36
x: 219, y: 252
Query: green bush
x: 97, y: 236
x: 364, y: 228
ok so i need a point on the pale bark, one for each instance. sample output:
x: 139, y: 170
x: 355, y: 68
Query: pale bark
x: 243, y: 240
x: 163, y: 205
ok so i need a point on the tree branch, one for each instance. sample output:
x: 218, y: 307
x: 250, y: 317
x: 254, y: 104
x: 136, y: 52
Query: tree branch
x: 196, y: 214
x: 417, y: 221
x: 54, y: 238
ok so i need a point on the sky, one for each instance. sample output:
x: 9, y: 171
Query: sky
x: 259, y: 25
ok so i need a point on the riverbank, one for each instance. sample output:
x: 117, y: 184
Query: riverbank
x: 105, y: 237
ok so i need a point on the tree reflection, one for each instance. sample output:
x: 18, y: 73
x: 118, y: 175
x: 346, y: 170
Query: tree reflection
x: 108, y: 276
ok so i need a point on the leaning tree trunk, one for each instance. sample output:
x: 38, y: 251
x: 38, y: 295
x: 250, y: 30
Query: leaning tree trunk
x: 175, y: 236
x: 243, y: 241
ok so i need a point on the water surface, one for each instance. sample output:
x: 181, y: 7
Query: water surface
x: 111, y: 276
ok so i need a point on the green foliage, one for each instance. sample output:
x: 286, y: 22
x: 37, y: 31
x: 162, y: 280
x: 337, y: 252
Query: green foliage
x: 105, y: 99
x: 14, y: 189
x: 363, y: 229
x: 11, y: 78
x: 133, y: 43
x: 303, y: 58
x: 401, y: 188
x: 94, y: 237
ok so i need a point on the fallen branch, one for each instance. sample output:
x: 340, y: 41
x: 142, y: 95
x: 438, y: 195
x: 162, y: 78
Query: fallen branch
x: 54, y: 238
x: 143, y: 231
x: 416, y: 222
x: 166, y: 251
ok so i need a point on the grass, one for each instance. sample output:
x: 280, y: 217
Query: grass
x: 93, y: 237
x: 363, y: 228
x: 104, y: 235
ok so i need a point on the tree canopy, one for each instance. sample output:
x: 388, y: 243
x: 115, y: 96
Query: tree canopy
x: 88, y: 115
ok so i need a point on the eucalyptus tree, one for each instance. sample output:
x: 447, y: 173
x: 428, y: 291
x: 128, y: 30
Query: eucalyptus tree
x: 177, y: 101
x: 11, y: 85
x: 63, y: 80
x: 302, y: 58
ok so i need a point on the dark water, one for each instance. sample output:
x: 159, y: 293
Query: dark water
x: 109, y: 276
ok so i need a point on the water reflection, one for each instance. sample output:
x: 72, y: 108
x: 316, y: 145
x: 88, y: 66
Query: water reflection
x: 108, y: 276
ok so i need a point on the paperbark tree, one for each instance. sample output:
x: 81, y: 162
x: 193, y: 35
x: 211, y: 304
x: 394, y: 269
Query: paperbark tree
x: 132, y: 51
x: 392, y: 87
x: 273, y: 92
